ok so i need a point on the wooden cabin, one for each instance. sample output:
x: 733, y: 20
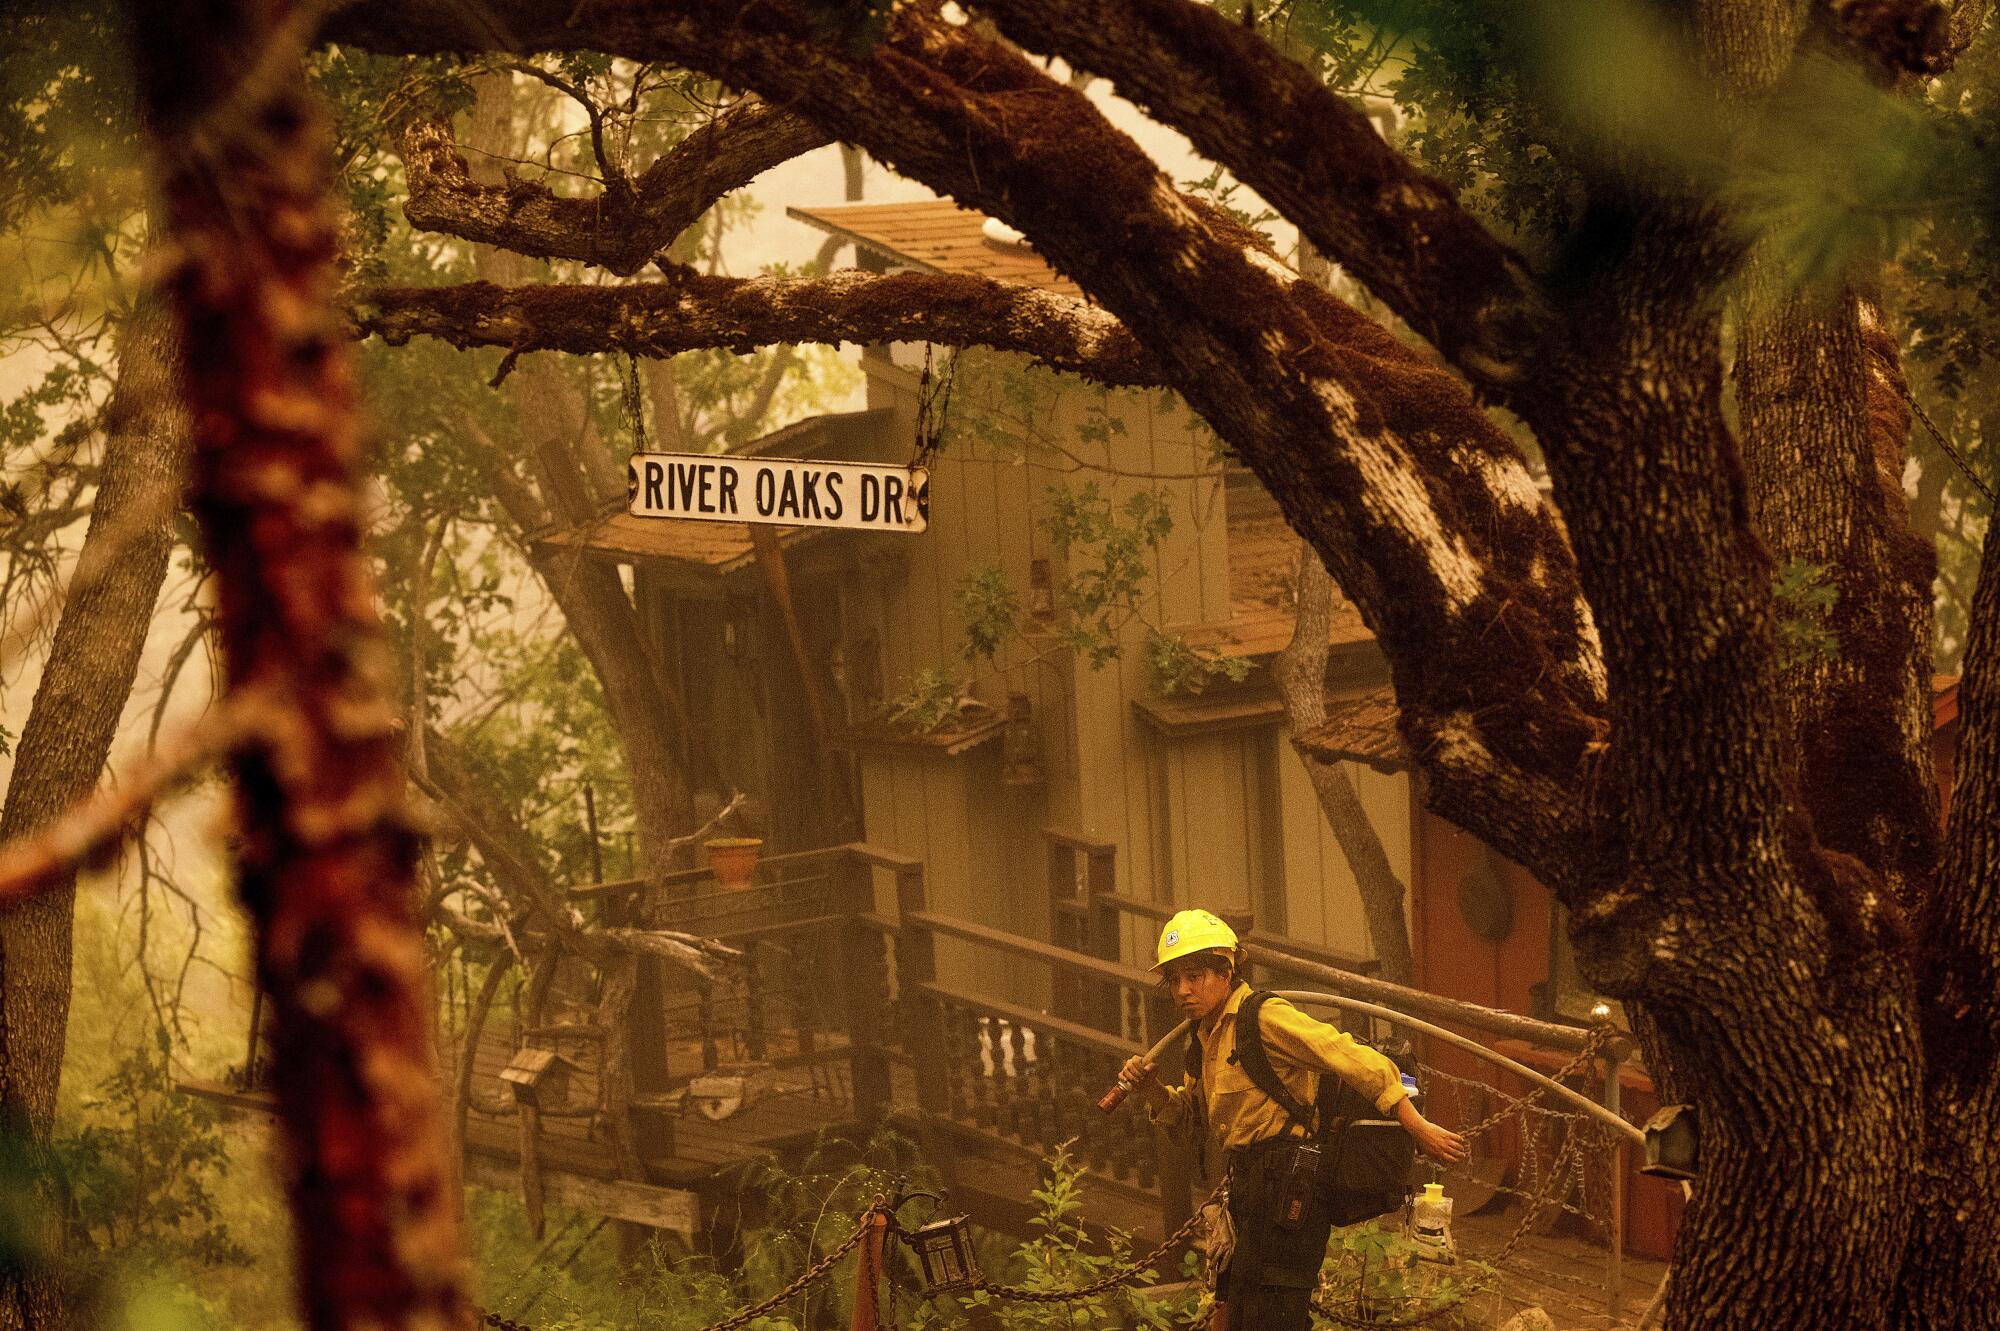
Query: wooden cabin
x: 1194, y: 798
x: 1061, y: 781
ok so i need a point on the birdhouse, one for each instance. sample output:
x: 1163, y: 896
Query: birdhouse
x: 539, y: 1078
x: 1673, y: 1143
x: 944, y: 1251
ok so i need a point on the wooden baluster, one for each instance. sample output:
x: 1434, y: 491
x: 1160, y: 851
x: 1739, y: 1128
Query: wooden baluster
x: 970, y: 1063
x: 951, y: 1020
x: 1045, y: 1090
x: 1102, y: 932
x: 1086, y: 1070
x: 753, y: 1001
x: 986, y: 1111
x: 1013, y: 1082
x: 1132, y: 1133
x: 864, y: 988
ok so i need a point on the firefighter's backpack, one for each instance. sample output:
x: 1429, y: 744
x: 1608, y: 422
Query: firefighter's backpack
x: 1366, y: 1160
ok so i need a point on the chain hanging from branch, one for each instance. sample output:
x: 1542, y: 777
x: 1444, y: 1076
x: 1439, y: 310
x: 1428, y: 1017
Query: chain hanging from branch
x: 933, y: 406
x: 635, y: 404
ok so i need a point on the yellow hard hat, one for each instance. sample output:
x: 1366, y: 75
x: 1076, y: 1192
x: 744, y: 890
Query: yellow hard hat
x: 1193, y: 931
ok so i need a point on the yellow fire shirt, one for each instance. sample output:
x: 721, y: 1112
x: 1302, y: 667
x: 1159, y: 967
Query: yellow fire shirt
x: 1300, y: 1049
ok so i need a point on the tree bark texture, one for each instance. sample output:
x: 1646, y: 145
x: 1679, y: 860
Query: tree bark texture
x: 327, y: 859
x: 92, y: 662
x: 625, y: 226
x: 1825, y: 469
x: 692, y: 310
x: 1420, y: 507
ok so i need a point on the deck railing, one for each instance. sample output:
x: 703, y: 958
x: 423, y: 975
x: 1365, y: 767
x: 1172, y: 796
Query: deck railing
x: 842, y: 968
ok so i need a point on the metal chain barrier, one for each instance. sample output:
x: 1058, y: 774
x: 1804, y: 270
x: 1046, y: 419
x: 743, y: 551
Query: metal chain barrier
x: 1566, y: 1171
x: 1535, y: 1120
x: 1369, y: 1317
x: 1022, y: 1294
x: 1584, y: 1056
x: 503, y: 1323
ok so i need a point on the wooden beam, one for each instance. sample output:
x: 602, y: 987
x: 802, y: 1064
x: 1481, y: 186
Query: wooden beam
x: 639, y: 1203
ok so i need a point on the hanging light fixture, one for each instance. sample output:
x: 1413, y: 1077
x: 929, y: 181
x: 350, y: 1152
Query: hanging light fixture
x: 944, y: 1251
x: 1041, y: 590
x: 1021, y: 748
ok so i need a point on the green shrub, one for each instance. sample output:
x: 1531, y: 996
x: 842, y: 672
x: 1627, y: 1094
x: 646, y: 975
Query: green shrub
x: 139, y: 1171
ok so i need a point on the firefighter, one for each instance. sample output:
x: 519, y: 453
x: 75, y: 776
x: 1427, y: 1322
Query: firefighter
x: 1267, y: 1279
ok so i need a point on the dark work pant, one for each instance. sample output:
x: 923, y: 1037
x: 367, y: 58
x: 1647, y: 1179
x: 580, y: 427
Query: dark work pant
x: 1271, y: 1277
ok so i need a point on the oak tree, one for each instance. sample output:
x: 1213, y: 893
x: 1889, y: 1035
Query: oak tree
x: 1592, y: 680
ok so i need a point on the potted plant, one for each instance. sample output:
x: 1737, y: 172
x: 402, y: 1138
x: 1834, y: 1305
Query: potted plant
x: 733, y: 860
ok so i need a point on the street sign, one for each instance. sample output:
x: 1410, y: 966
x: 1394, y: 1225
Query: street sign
x: 708, y: 487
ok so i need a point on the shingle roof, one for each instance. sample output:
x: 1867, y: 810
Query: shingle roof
x: 718, y: 548
x: 1263, y: 561
x: 937, y: 235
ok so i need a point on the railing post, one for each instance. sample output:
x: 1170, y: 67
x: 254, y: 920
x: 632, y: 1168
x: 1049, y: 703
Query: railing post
x: 1101, y: 934
x: 916, y: 965
x: 1614, y: 1266
x: 865, y: 989
x: 1068, y: 926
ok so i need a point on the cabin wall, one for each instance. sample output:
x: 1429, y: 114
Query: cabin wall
x: 991, y: 493
x: 1322, y: 899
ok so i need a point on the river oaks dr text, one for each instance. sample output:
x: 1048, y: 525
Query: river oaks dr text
x: 791, y: 491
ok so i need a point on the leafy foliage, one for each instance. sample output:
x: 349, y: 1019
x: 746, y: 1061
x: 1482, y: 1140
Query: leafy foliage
x: 1179, y: 667
x: 1805, y: 597
x: 1060, y: 1255
x: 990, y: 609
x: 141, y: 1170
x: 931, y: 699
x: 1107, y: 572
x: 1377, y: 1273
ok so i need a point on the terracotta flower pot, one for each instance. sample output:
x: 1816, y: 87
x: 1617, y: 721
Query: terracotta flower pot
x: 733, y: 860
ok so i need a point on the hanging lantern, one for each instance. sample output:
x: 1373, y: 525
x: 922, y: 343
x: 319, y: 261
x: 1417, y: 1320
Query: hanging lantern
x: 1021, y: 748
x: 1041, y: 590
x: 1673, y: 1143
x: 944, y: 1251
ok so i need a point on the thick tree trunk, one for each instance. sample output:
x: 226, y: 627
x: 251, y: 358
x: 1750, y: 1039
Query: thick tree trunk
x: 1951, y: 1277
x: 1300, y: 671
x: 1763, y: 961
x: 327, y: 861
x: 1823, y: 425
x: 67, y: 736
x: 1652, y: 784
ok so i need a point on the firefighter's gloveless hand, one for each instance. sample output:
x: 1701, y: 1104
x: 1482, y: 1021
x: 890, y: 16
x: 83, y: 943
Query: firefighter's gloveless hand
x: 1434, y: 1141
x: 1139, y: 1073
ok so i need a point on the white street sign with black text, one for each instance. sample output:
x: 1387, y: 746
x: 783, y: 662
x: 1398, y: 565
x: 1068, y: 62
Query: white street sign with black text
x: 794, y: 492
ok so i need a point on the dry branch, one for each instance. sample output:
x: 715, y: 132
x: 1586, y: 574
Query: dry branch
x: 692, y: 310
x: 90, y: 832
x: 1312, y: 155
x: 1422, y: 510
x: 625, y: 226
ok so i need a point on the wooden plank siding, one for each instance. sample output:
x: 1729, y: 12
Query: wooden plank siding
x: 1226, y: 818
